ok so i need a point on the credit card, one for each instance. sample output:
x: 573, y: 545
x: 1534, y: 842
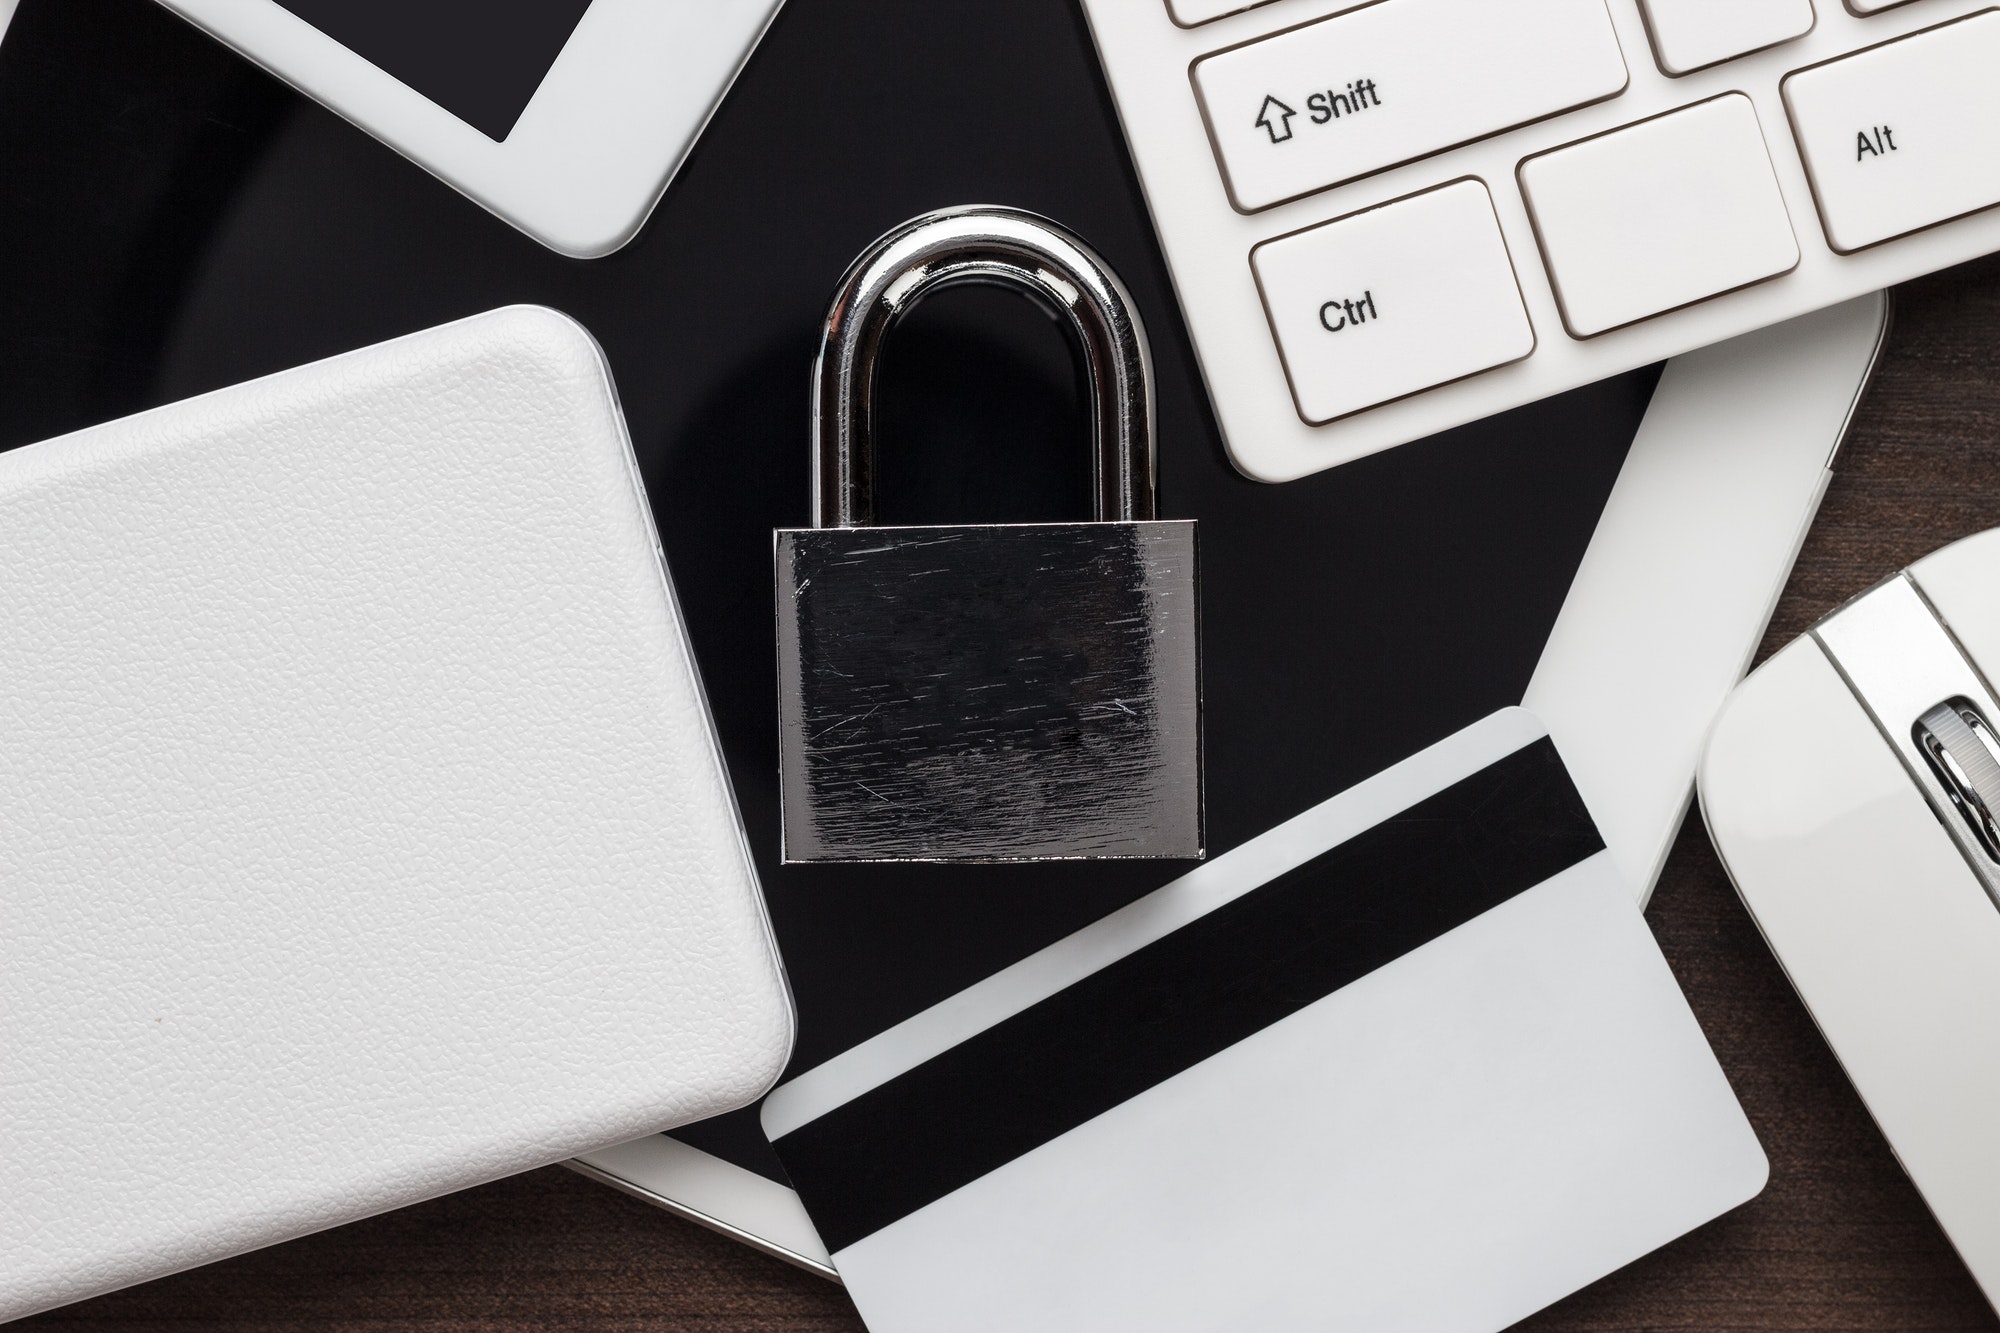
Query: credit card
x: 1409, y: 1061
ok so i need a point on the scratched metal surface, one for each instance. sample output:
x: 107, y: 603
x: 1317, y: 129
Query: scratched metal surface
x: 996, y: 693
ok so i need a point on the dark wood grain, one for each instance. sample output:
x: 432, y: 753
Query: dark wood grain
x: 1839, y: 1240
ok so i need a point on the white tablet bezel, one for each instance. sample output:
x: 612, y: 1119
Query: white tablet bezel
x: 598, y: 142
x: 1673, y: 596
x: 1688, y: 560
x: 719, y: 1195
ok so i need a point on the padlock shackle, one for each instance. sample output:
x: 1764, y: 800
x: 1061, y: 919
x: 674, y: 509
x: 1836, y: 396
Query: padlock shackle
x: 1000, y: 246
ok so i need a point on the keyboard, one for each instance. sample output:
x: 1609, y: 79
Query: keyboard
x: 1387, y: 219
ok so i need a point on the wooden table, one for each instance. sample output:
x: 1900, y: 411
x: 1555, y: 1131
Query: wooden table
x: 1839, y: 1240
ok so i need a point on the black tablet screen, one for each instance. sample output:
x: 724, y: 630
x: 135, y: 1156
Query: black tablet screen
x: 481, y: 60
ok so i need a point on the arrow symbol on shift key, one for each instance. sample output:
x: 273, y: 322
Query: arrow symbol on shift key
x: 1282, y: 129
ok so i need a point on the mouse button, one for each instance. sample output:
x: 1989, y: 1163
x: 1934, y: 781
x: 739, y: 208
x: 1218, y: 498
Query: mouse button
x: 1823, y: 832
x: 1894, y: 653
x: 1791, y: 760
x: 1903, y: 664
x: 1962, y: 582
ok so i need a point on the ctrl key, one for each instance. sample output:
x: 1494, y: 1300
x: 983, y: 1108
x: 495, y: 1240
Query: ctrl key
x: 1402, y: 298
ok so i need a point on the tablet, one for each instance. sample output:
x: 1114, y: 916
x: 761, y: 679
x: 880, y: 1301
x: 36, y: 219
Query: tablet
x: 566, y: 118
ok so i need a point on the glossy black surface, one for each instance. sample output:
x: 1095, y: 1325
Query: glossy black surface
x: 172, y: 221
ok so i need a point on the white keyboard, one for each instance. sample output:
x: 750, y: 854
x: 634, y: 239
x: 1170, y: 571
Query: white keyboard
x: 1387, y: 219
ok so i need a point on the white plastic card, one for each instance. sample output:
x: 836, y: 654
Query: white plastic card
x: 1409, y: 1061
x: 362, y: 830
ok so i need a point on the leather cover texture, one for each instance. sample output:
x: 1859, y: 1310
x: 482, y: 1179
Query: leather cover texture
x: 363, y: 834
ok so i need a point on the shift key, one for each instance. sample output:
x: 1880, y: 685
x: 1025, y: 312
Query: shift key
x: 1393, y: 301
x: 1363, y: 91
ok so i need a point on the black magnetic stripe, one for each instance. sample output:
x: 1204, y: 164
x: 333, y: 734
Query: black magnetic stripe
x: 1174, y: 1003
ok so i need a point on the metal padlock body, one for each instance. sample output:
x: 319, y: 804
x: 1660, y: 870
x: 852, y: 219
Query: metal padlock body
x: 992, y: 692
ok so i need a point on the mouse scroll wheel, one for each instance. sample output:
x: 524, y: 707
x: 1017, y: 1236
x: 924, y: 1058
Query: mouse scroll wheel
x: 1965, y: 755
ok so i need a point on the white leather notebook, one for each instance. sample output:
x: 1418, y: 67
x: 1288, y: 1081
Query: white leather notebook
x: 362, y: 831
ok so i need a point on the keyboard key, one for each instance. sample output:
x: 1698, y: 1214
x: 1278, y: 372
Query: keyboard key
x: 1388, y: 302
x: 1399, y: 80
x: 1867, y: 7
x: 1904, y: 135
x: 1659, y: 215
x: 1693, y: 34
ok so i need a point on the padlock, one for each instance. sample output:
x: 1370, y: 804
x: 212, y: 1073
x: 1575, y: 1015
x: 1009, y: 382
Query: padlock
x: 1003, y: 692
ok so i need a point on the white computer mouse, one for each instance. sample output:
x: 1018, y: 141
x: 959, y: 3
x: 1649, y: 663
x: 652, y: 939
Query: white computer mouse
x: 1852, y: 787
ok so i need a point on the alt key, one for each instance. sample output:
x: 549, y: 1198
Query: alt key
x: 1393, y: 301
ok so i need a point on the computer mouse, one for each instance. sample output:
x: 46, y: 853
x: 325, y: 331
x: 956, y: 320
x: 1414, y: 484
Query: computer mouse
x: 1852, y: 787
